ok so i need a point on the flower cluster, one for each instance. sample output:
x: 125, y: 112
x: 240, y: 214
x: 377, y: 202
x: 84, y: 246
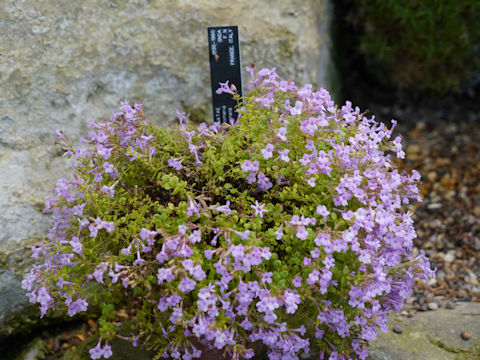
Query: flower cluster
x: 284, y: 229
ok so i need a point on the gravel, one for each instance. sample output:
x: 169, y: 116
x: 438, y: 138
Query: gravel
x: 442, y: 142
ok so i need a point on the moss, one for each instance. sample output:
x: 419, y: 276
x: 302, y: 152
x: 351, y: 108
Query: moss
x: 285, y: 51
x: 470, y: 353
x: 35, y: 350
x: 198, y: 114
x: 27, y: 320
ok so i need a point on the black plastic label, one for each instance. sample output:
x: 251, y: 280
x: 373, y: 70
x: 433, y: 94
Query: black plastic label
x: 224, y: 51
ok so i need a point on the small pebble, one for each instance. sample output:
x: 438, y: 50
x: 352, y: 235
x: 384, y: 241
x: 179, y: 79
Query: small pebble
x: 398, y: 330
x: 424, y: 307
x: 429, y: 297
x: 432, y: 176
x: 449, y: 257
x: 450, y: 305
x: 465, y: 335
x: 434, y: 206
x: 433, y: 306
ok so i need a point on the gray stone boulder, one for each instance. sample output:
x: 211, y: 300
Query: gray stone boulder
x: 65, y: 62
x: 432, y: 335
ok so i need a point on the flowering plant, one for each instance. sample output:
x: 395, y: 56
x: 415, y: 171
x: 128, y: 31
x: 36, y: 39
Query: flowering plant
x: 284, y: 229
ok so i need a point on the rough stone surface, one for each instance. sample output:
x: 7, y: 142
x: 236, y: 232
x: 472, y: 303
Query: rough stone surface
x: 36, y: 350
x: 65, y: 62
x: 432, y: 335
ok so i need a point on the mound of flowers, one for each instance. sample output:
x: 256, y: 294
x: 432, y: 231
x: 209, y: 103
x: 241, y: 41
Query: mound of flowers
x: 284, y: 229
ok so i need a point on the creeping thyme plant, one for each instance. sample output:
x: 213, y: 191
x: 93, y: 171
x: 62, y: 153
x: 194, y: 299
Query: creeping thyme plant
x: 284, y: 229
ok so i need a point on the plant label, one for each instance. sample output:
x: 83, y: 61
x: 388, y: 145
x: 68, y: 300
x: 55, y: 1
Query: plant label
x: 224, y: 53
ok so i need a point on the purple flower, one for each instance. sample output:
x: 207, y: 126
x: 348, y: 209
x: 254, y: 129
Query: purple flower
x: 322, y: 210
x: 147, y: 234
x: 107, y: 351
x: 108, y: 190
x: 318, y: 333
x: 93, y: 230
x: 198, y: 273
x: 251, y: 178
x: 177, y: 314
x: 311, y: 181
x: 297, y: 110
x: 264, y: 182
x: 76, y: 245
x: 45, y: 300
x: 291, y: 302
x: 225, y: 208
x: 175, y: 163
x: 165, y: 274
x: 225, y: 88
x: 96, y: 352
x: 139, y: 260
x: 108, y: 226
x: 313, y: 277
x: 196, y: 236
x: 77, y: 306
x: 208, y: 254
x: 237, y: 251
x: 97, y: 275
x: 322, y: 239
x: 302, y: 233
x: 279, y: 233
x: 27, y: 282
x: 193, y: 208
x: 259, y: 209
x: 281, y: 133
x: 315, y: 253
x: 267, y: 151
x: 243, y: 235
x: 250, y: 166
x: 186, y: 284
x: 78, y: 210
x: 267, y: 277
x: 127, y: 250
x: 297, y: 281
x: 284, y: 155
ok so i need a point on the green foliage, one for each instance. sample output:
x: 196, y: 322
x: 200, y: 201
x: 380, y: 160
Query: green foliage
x: 420, y: 45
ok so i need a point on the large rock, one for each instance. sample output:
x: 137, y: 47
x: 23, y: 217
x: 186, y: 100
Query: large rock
x: 64, y: 62
x: 432, y: 335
